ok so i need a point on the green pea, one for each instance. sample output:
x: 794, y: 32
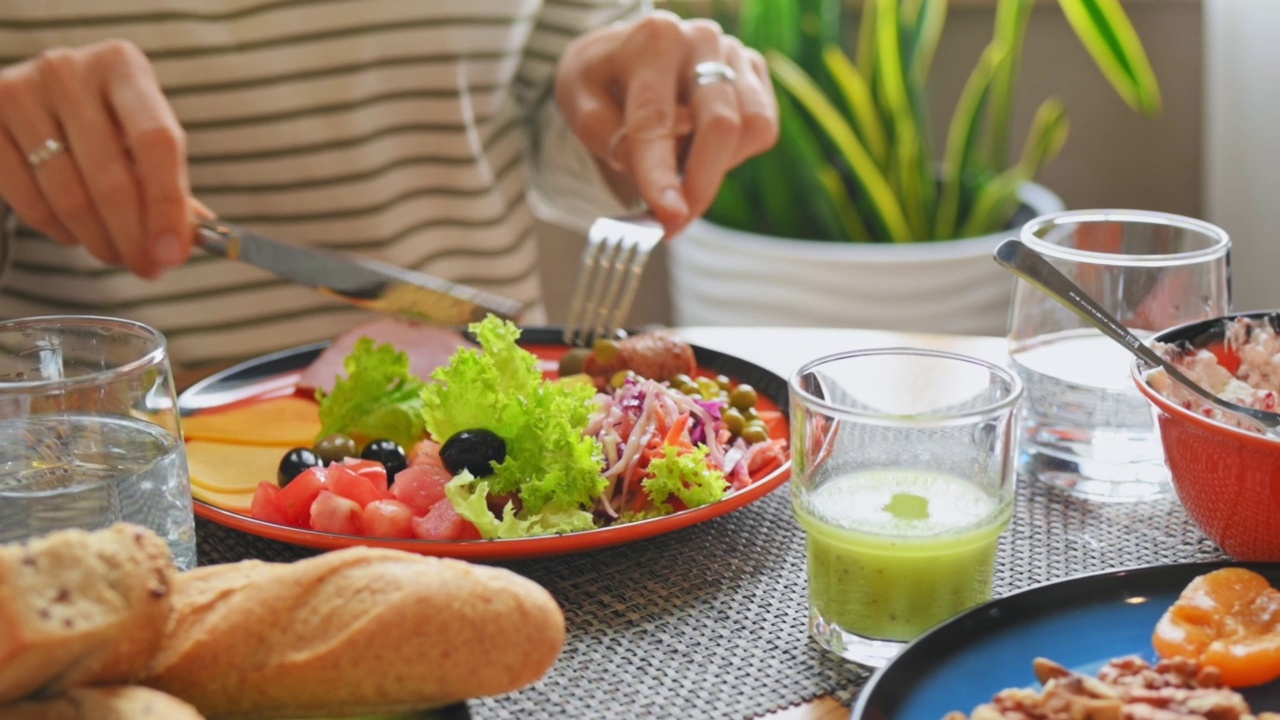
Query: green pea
x: 743, y: 397
x: 708, y: 387
x: 733, y: 420
x: 753, y: 433
x: 619, y: 378
x: 679, y: 380
x: 606, y: 350
x: 724, y: 382
x: 574, y: 361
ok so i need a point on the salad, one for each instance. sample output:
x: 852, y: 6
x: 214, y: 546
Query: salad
x: 487, y: 447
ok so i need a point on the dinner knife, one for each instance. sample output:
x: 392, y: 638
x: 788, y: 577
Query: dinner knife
x: 362, y: 282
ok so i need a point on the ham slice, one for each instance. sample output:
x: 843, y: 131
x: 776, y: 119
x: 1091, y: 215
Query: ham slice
x: 428, y: 348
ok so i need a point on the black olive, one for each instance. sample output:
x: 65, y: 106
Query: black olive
x: 474, y: 451
x: 335, y: 447
x: 389, y: 453
x: 294, y: 463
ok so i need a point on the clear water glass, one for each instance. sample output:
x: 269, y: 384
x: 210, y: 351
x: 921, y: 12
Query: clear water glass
x: 89, y: 431
x: 903, y: 477
x: 1085, y: 427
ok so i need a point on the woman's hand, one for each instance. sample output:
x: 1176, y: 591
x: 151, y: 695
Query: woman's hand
x: 631, y: 93
x: 91, y: 154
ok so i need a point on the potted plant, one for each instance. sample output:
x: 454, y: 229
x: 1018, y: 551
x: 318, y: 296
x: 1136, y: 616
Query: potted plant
x: 850, y: 220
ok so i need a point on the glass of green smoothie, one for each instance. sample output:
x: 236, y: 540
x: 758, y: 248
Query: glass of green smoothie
x: 904, y: 464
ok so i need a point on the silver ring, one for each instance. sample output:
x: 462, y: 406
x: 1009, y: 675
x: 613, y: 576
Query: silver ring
x: 47, y: 151
x: 707, y: 73
x: 611, y: 154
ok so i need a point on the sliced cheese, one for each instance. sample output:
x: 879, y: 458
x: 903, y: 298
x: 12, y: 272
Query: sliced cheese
x: 239, y: 502
x: 221, y: 467
x: 284, y: 421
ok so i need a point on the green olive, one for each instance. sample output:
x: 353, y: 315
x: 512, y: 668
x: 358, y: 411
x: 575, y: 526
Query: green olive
x: 574, y: 362
x: 743, y: 397
x: 724, y: 382
x: 754, y: 433
x: 733, y: 420
x: 619, y: 378
x: 335, y: 447
x: 606, y: 350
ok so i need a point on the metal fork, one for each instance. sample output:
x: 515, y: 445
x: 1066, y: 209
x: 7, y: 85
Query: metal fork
x: 612, y: 262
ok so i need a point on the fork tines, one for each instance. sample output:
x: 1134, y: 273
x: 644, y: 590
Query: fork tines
x: 615, y: 255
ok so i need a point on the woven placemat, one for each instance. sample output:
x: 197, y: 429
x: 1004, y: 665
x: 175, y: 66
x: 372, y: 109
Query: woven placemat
x: 710, y: 621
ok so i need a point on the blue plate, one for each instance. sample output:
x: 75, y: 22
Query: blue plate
x: 1080, y: 623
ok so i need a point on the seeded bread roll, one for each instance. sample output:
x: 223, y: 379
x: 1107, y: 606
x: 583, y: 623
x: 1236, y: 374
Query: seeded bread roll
x: 121, y: 702
x: 352, y: 632
x: 80, y: 608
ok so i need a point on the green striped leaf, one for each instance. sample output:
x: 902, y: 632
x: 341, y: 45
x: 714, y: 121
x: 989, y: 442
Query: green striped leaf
x: 879, y: 194
x: 1010, y: 30
x: 823, y: 195
x: 856, y: 93
x: 998, y: 199
x: 928, y: 30
x: 1108, y: 35
x: 962, y: 139
x: 865, y: 56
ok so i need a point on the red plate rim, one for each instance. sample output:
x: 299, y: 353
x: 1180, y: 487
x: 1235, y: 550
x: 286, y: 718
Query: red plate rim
x: 515, y: 548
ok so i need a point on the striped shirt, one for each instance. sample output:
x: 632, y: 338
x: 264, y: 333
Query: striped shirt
x: 398, y: 129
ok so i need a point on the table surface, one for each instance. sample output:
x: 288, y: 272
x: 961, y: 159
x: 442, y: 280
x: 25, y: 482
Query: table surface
x: 710, y: 621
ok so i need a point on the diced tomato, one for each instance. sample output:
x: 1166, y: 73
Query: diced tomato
x: 353, y: 486
x: 1228, y: 359
x: 333, y: 513
x: 443, y: 523
x: 375, y: 471
x: 421, y: 486
x: 387, y: 519
x: 266, y: 504
x: 296, y: 497
x: 426, y: 451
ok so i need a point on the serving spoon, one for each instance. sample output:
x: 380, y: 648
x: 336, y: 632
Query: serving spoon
x: 1031, y: 266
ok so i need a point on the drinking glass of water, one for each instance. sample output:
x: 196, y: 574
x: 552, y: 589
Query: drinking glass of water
x: 89, y: 431
x: 1085, y: 428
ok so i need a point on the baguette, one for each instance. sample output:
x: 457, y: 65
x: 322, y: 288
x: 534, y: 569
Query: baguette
x: 81, y: 608
x: 120, y: 702
x: 352, y: 632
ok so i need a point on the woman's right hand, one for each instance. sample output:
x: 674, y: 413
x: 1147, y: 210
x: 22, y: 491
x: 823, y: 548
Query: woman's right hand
x: 114, y: 179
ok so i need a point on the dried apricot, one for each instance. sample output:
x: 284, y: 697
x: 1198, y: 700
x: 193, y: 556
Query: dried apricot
x: 1229, y: 619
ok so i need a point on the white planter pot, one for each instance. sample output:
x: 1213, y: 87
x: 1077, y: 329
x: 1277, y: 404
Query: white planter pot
x: 721, y: 276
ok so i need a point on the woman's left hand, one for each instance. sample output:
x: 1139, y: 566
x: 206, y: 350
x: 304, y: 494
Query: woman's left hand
x: 633, y: 92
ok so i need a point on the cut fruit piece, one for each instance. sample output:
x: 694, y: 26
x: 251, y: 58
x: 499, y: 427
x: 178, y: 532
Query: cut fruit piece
x: 230, y: 468
x: 236, y: 502
x: 284, y: 421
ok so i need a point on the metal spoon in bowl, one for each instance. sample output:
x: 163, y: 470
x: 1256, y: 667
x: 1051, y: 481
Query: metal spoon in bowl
x: 1035, y: 269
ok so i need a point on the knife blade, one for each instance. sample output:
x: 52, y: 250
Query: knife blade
x: 369, y: 284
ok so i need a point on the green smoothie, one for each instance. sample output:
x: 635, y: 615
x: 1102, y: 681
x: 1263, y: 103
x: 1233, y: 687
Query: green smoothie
x: 893, y: 552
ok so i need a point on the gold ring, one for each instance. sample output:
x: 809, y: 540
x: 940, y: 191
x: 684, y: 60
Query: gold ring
x: 48, y: 150
x: 707, y: 73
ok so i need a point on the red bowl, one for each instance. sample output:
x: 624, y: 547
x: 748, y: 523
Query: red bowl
x: 1227, y: 479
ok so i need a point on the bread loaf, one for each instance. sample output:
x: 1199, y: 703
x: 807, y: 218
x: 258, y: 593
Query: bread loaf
x: 120, y: 702
x: 79, y: 608
x: 356, y: 631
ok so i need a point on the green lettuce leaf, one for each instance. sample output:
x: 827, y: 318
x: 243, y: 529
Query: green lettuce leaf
x: 470, y: 498
x: 685, y: 476
x: 378, y: 398
x: 499, y: 387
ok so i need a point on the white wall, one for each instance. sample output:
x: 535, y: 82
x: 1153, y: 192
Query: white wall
x: 1242, y: 141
